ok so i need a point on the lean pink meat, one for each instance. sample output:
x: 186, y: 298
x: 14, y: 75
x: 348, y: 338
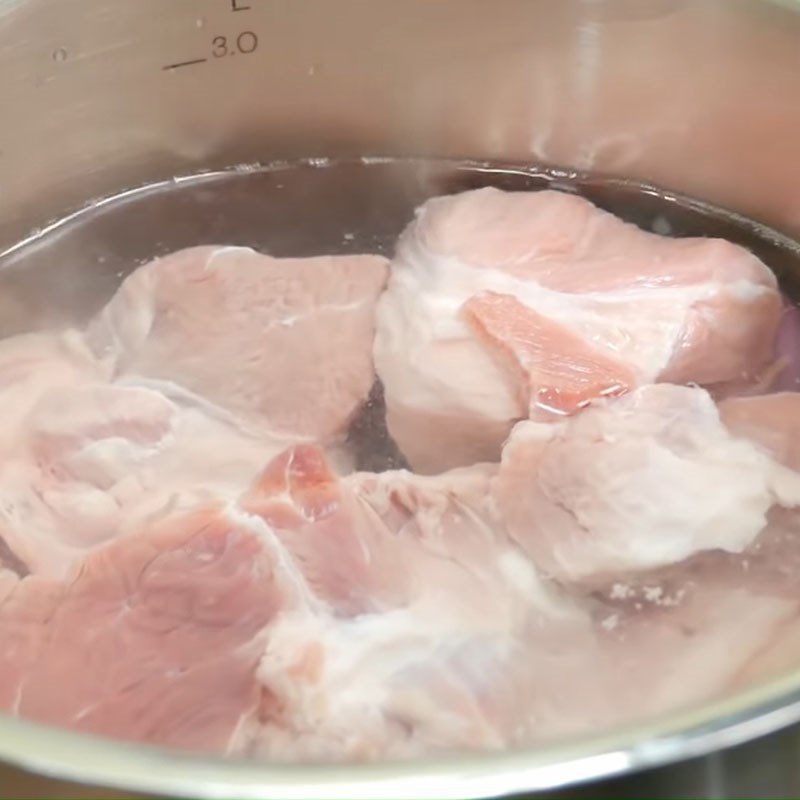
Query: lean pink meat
x: 502, y: 304
x: 601, y: 522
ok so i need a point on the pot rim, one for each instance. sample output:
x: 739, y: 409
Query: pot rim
x: 84, y: 758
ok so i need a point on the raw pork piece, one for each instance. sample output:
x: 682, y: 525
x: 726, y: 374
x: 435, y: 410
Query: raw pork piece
x: 285, y: 342
x: 788, y: 351
x: 637, y: 483
x: 435, y: 632
x: 773, y: 421
x: 666, y: 649
x: 156, y: 638
x: 99, y: 460
x: 373, y: 542
x: 140, y: 604
x: 447, y: 639
x: 422, y: 680
x: 709, y: 625
x: 781, y: 374
x: 34, y: 365
x: 426, y: 679
x: 9, y: 577
x: 481, y: 279
x: 346, y: 558
x: 773, y: 564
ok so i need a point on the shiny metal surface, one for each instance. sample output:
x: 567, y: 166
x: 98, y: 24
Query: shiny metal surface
x: 145, y: 770
x: 699, y: 95
x: 766, y: 768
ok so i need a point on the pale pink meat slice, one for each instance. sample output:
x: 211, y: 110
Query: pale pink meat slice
x: 9, y: 576
x: 636, y: 483
x: 774, y: 564
x: 422, y: 680
x: 156, y: 638
x: 680, y: 310
x: 788, y: 351
x: 435, y: 633
x: 444, y: 636
x: 35, y: 365
x: 372, y: 542
x: 728, y: 337
x: 781, y: 371
x: 715, y: 619
x: 556, y: 370
x: 132, y: 439
x: 672, y: 650
x: 300, y: 498
x: 570, y: 245
x: 702, y: 628
x: 285, y: 342
x: 773, y: 421
x: 99, y: 460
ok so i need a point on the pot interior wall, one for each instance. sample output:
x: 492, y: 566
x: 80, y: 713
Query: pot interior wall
x: 697, y: 96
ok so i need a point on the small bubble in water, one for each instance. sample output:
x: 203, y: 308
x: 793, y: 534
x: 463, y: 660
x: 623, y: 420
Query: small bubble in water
x: 661, y: 226
x: 60, y: 54
x: 610, y: 622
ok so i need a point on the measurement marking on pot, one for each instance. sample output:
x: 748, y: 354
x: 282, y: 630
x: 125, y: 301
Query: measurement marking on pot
x: 245, y: 43
x: 185, y: 63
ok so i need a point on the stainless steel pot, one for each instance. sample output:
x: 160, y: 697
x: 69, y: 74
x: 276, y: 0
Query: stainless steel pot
x: 702, y: 96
